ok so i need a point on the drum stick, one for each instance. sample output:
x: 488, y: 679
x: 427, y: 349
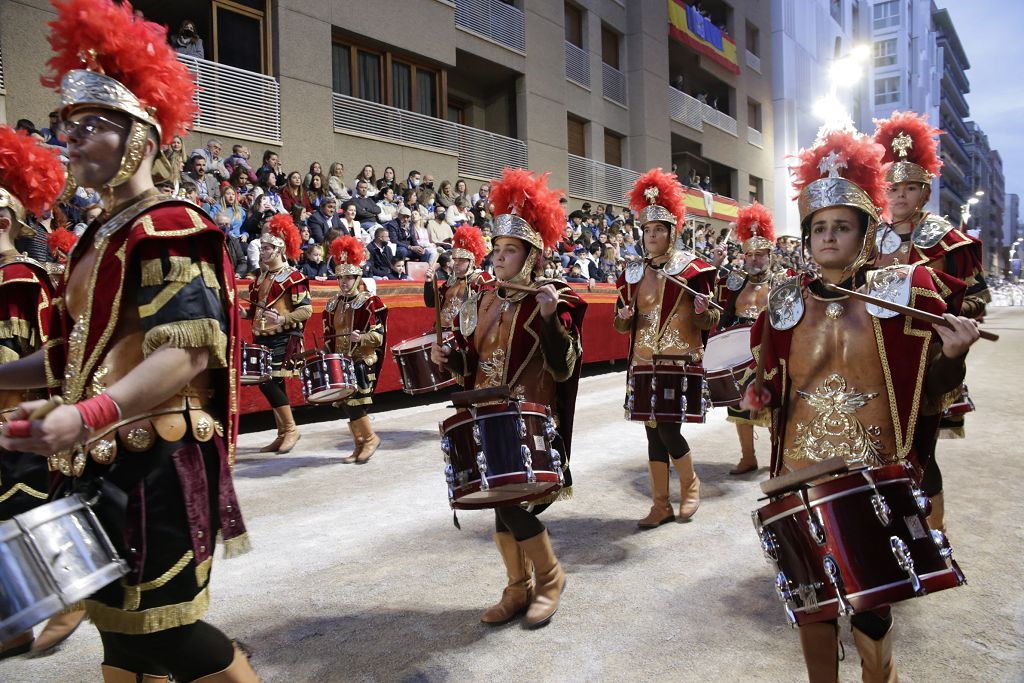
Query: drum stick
x: 437, y: 309
x: 42, y: 411
x: 689, y: 290
x: 899, y: 308
x: 804, y: 475
x: 520, y: 288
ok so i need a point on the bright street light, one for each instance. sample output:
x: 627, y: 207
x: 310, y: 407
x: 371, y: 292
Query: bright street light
x: 979, y: 193
x: 845, y: 72
x: 973, y: 200
x: 861, y: 52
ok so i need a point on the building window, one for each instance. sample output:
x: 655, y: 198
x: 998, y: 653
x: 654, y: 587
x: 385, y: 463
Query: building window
x: 341, y: 67
x: 612, y: 148
x: 753, y: 39
x: 577, y: 136
x: 426, y: 92
x: 401, y: 85
x: 755, y: 189
x: 573, y: 25
x: 887, y: 90
x: 610, y: 47
x: 835, y: 8
x: 368, y: 71
x: 885, y: 52
x: 754, y: 114
x: 886, y: 14
x: 386, y: 79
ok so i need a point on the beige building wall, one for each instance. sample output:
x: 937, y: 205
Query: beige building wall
x: 23, y: 33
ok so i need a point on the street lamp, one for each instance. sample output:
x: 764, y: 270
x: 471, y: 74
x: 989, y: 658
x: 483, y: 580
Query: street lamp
x: 844, y: 72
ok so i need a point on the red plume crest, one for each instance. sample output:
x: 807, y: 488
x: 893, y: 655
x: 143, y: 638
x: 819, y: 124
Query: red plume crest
x: 132, y: 51
x: 469, y: 238
x: 31, y: 172
x: 528, y: 196
x: 859, y: 156
x: 61, y: 242
x: 924, y: 148
x: 754, y: 220
x: 283, y: 227
x: 347, y: 250
x: 670, y: 193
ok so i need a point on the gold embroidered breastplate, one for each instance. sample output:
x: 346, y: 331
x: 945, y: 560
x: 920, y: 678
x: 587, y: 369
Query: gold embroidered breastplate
x: 752, y: 299
x: 679, y: 335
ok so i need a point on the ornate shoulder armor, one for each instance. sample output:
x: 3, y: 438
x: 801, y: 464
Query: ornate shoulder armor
x: 786, y: 304
x: 332, y: 305
x: 930, y: 231
x: 892, y: 284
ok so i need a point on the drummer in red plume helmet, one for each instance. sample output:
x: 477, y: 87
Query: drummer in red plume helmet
x: 743, y: 295
x: 531, y: 342
x: 465, y: 278
x: 355, y: 324
x: 31, y: 178
x: 915, y: 236
x: 140, y: 350
x: 662, y: 318
x: 60, y: 243
x: 840, y: 379
x: 279, y: 306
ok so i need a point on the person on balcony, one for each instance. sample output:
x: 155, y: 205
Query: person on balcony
x: 187, y: 41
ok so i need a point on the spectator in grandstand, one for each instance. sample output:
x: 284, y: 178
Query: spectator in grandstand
x: 187, y: 41
x: 239, y: 157
x: 381, y: 253
x: 606, y: 264
x: 314, y: 169
x: 367, y: 211
x: 421, y: 235
x: 428, y: 181
x: 398, y: 269
x: 481, y: 213
x: 457, y: 215
x: 51, y: 134
x: 370, y: 177
x: 229, y: 206
x: 350, y: 224
x: 445, y: 194
x: 400, y: 235
x: 271, y: 164
x: 268, y: 188
x: 388, y: 180
x: 461, y: 190
x: 315, y: 193
x: 242, y: 185
x: 576, y: 274
x: 336, y: 182
x: 214, y: 162
x: 293, y: 194
x: 388, y: 205
x: 483, y: 194
x: 174, y: 155
x: 324, y: 219
x: 312, y: 264
x: 206, y: 184
x: 440, y: 230
x: 413, y: 180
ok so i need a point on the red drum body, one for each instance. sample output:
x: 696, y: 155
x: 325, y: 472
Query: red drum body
x: 499, y: 455
x: 667, y: 393
x: 726, y: 358
x: 852, y: 544
x: 419, y: 374
x: 257, y: 364
x: 327, y: 378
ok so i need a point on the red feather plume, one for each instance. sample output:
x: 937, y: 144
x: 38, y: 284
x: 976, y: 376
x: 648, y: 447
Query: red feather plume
x: 528, y: 196
x: 132, y: 51
x: 28, y: 170
x: 863, y: 159
x: 282, y: 226
x: 469, y: 238
x: 758, y: 215
x: 925, y: 148
x: 670, y: 193
x: 60, y: 242
x: 348, y: 247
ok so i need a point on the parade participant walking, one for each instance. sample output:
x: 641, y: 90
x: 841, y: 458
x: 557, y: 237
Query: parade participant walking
x: 526, y: 336
x: 662, y: 318
x: 140, y: 351
x: 743, y: 295
x: 917, y: 237
x: 279, y: 306
x: 840, y: 378
x: 466, y: 278
x: 355, y: 325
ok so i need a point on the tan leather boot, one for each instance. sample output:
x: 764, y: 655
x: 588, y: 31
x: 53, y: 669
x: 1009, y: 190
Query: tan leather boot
x: 519, y: 592
x: 239, y: 671
x: 937, y: 519
x: 112, y: 674
x: 661, y: 510
x: 368, y: 440
x: 289, y: 431
x: 820, y: 643
x: 689, y: 486
x: 18, y: 645
x: 349, y: 459
x: 876, y: 663
x: 549, y: 580
x: 748, y: 460
x: 57, y: 630
x: 276, y: 443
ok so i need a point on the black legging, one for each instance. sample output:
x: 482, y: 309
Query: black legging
x: 666, y: 441
x: 931, y: 480
x: 874, y: 624
x: 186, y: 652
x: 275, y: 393
x: 522, y: 523
x: 353, y: 413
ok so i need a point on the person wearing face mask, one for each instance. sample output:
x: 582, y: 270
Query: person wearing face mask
x: 187, y: 42
x: 663, y: 318
x: 917, y: 237
x: 414, y: 180
x: 531, y: 342
x: 841, y: 378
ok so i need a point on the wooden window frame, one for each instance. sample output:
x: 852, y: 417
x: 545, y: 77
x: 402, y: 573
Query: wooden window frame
x: 387, y: 58
x: 582, y: 23
x: 266, y: 28
x: 607, y: 29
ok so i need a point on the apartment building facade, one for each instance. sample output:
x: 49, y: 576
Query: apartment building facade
x: 581, y: 89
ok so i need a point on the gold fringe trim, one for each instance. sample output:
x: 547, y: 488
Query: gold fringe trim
x: 8, y: 355
x: 952, y: 433
x: 24, y: 488
x: 561, y: 494
x: 182, y: 269
x: 203, y: 571
x: 763, y: 420
x: 239, y: 545
x: 152, y: 273
x: 209, y: 275
x: 15, y: 328
x: 133, y: 594
x: 151, y: 620
x: 190, y: 334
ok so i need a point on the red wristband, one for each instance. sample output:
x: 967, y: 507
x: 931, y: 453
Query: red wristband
x: 98, y: 412
x: 19, y: 429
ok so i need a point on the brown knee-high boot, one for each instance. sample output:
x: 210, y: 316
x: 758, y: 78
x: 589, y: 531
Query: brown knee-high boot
x: 748, y: 460
x: 689, y: 486
x: 348, y: 460
x: 287, y: 433
x: 368, y: 439
x: 57, y: 630
x: 519, y: 592
x: 550, y: 580
x: 820, y: 643
x: 876, y: 663
x: 661, y: 510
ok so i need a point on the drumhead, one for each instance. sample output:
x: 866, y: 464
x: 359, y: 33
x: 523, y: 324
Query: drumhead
x: 728, y: 349
x: 420, y: 342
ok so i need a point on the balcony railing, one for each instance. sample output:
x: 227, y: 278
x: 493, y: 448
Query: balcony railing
x: 718, y: 119
x: 598, y: 182
x: 481, y: 154
x: 755, y: 137
x: 753, y: 61
x: 3, y: 86
x: 684, y: 109
x: 494, y: 20
x: 613, y: 84
x: 235, y: 102
x: 577, y: 65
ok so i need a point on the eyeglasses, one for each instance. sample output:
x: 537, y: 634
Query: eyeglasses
x: 90, y: 125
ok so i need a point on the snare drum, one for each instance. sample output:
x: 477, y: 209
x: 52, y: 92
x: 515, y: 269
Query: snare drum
x: 962, y: 405
x: 667, y: 393
x: 419, y: 374
x: 726, y: 358
x: 257, y: 364
x: 50, y: 558
x: 501, y: 454
x: 327, y: 377
x: 854, y: 543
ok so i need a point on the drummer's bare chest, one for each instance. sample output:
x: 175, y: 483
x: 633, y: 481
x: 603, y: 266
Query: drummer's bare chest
x: 752, y: 299
x: 649, y: 293
x: 495, y: 321
x: 834, y: 337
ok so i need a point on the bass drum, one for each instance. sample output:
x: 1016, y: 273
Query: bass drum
x: 420, y: 375
x: 726, y: 357
x: 667, y: 393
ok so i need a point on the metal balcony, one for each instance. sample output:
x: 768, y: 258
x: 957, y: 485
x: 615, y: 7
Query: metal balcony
x: 613, y: 84
x: 685, y: 109
x: 753, y: 61
x: 599, y: 182
x: 234, y: 102
x: 493, y: 20
x: 577, y: 65
x: 755, y: 137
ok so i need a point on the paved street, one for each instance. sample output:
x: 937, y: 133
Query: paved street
x: 358, y: 574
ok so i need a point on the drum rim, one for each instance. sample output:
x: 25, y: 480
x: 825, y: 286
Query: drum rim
x: 33, y: 614
x: 429, y: 339
x: 669, y: 369
x: 526, y: 408
x: 47, y: 512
